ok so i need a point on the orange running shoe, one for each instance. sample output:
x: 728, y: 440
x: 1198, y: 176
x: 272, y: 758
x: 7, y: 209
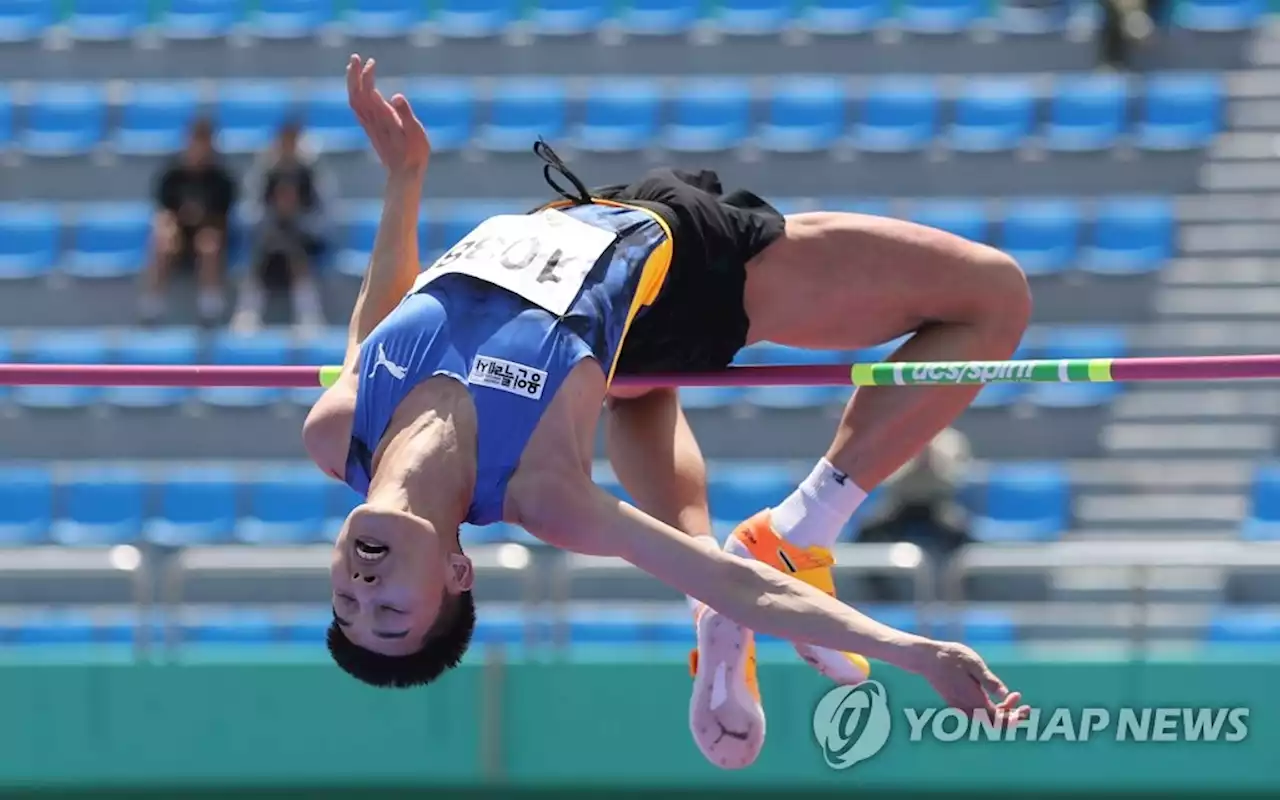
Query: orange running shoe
x: 811, y: 565
x: 725, y: 714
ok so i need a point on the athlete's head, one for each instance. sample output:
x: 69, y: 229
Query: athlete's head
x: 402, y: 607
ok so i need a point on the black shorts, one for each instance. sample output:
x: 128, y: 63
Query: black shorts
x: 698, y: 322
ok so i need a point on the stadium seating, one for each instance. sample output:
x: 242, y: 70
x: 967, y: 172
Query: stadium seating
x: 23, y: 20
x: 1218, y: 15
x: 160, y: 346
x: 619, y: 115
x: 29, y: 240
x: 521, y: 112
x: 1043, y: 235
x: 290, y: 19
x: 106, y: 20
x: 154, y: 118
x: 568, y: 17
x: 64, y: 119
x: 1025, y: 502
x: 1263, y: 522
x: 1245, y: 626
x: 103, y: 505
x: 470, y: 19
x: 200, y: 19
x: 26, y: 505
x: 376, y: 19
x: 286, y: 506
x: 447, y: 108
x: 659, y: 17
x: 805, y: 115
x: 992, y: 115
x: 109, y: 241
x: 1180, y: 112
x: 1078, y: 343
x: 196, y: 507
x: 248, y: 114
x: 898, y: 115
x: 752, y: 17
x: 329, y: 121
x: 1130, y: 235
x: 844, y: 17
x: 1087, y: 112
x: 941, y: 16
x: 74, y: 346
x: 708, y: 115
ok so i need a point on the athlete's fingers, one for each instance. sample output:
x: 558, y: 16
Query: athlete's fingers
x: 353, y: 79
x: 990, y: 683
x: 405, y: 111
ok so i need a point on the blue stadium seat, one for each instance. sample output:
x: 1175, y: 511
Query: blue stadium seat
x: 659, y: 17
x: 1087, y: 113
x: 382, y: 19
x: 710, y: 397
x: 65, y: 119
x: 941, y: 16
x: 286, y: 506
x: 1080, y: 341
x: 360, y: 227
x: 738, y: 491
x: 965, y: 218
x: 1218, y: 15
x: 1244, y: 626
x: 109, y: 240
x: 290, y: 19
x: 201, y: 19
x: 6, y: 119
x: 999, y: 395
x: 619, y: 115
x: 1024, y: 502
x: 225, y: 626
x: 1033, y: 18
x: 664, y: 625
x: 987, y: 626
x: 753, y: 17
x: 100, y: 506
x: 24, y: 20
x: 568, y: 17
x: 447, y: 108
x: 1043, y: 235
x: 992, y: 115
x: 158, y: 346
x: 1180, y: 112
x: 29, y: 239
x: 1131, y: 236
x: 325, y: 348
x: 26, y: 505
x: 51, y: 626
x: 307, y: 626
x: 794, y: 397
x: 106, y: 20
x: 329, y: 121
x: 844, y: 17
x: 897, y: 115
x: 1263, y: 522
x: 154, y: 118
x: 196, y: 506
x: 472, y: 19
x: 853, y: 205
x: 522, y: 110
x: 72, y: 346
x: 264, y: 348
x: 249, y: 113
x: 708, y: 115
x: 805, y: 115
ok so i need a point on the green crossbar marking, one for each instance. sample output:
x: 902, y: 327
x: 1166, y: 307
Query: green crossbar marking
x: 969, y: 373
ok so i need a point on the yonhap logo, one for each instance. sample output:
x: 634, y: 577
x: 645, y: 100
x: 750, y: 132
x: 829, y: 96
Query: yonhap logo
x: 852, y: 723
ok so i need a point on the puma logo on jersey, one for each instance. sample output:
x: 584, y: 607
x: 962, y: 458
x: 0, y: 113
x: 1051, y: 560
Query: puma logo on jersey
x: 380, y: 360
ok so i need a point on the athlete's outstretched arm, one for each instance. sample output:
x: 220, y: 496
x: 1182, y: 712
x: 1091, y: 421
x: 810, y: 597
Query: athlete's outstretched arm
x: 403, y: 148
x: 571, y: 512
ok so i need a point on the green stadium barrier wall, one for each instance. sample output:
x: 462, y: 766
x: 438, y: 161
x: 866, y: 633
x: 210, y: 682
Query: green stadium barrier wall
x: 508, y: 728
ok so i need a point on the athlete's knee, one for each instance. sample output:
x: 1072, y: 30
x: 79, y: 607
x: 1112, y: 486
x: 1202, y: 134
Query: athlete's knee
x: 1001, y: 293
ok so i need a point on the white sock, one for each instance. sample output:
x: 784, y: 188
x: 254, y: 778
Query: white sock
x: 816, y: 512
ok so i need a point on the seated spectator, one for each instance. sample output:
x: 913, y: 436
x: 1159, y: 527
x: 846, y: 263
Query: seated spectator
x: 290, y: 193
x: 921, y: 506
x: 194, y: 197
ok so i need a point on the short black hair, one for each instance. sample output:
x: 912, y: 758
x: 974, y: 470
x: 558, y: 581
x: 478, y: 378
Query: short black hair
x: 442, y: 649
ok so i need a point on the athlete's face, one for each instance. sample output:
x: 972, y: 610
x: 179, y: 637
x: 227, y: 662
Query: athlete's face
x: 390, y: 575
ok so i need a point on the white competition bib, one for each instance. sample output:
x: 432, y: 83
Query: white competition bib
x: 542, y: 257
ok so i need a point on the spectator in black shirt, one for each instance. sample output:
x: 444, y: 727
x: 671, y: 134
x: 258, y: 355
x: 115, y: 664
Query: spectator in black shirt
x: 290, y: 193
x: 194, y: 197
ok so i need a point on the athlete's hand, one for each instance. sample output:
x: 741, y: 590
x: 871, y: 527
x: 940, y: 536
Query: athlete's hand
x: 964, y: 681
x: 395, y: 133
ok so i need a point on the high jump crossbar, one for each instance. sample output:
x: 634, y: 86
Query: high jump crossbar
x: 950, y: 373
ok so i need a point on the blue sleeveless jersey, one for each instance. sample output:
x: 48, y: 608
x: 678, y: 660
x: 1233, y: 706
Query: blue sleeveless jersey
x: 511, y: 354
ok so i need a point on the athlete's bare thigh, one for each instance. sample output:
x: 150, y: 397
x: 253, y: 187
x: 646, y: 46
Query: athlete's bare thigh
x: 837, y: 280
